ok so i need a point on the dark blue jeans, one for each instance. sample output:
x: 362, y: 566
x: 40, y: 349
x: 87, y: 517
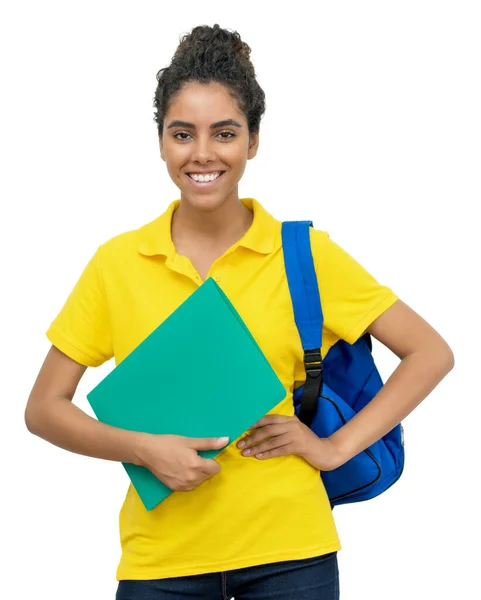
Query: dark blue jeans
x: 308, y: 579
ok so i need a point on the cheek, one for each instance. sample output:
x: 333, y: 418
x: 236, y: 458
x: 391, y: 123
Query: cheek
x: 234, y: 153
x: 175, y: 162
x: 174, y: 166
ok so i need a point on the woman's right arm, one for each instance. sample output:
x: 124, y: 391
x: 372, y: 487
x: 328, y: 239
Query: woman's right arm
x: 51, y: 414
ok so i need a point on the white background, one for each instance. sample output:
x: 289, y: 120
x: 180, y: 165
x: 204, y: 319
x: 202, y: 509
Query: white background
x: 372, y: 130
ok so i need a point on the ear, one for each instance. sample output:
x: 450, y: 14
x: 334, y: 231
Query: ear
x: 253, y: 145
x: 161, y: 146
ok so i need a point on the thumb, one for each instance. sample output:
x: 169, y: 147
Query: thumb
x: 208, y: 443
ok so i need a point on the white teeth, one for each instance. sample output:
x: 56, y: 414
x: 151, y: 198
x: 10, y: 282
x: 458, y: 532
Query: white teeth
x: 204, y: 178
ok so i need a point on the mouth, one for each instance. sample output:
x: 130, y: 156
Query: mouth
x: 204, y: 184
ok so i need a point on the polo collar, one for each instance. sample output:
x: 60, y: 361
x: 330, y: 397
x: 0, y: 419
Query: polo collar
x: 262, y: 236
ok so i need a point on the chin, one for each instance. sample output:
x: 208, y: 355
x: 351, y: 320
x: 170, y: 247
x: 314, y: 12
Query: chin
x: 205, y: 203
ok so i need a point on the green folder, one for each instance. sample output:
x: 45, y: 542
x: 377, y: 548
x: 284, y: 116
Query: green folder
x: 200, y: 373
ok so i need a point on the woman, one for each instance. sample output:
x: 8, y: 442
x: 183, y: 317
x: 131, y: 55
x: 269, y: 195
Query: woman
x: 256, y: 522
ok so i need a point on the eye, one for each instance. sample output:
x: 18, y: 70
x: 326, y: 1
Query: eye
x: 225, y: 135
x: 181, y: 133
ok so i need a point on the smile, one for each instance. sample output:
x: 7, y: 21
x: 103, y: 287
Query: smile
x: 205, y: 184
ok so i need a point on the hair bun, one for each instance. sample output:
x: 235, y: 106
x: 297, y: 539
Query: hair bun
x: 212, y: 54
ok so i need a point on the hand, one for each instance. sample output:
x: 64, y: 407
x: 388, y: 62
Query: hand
x: 174, y: 459
x: 279, y: 435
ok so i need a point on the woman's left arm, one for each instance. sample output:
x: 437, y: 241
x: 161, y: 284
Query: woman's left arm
x: 426, y: 359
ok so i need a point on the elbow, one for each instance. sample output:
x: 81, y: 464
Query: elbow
x: 29, y: 422
x: 30, y: 418
x: 436, y: 357
x: 450, y: 361
x: 445, y: 358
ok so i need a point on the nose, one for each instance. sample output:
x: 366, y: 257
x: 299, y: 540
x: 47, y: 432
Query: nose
x: 203, y: 150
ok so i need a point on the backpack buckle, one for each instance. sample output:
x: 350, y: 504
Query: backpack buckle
x: 313, y: 362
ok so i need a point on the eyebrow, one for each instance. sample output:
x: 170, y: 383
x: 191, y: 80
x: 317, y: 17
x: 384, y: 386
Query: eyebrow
x: 224, y: 123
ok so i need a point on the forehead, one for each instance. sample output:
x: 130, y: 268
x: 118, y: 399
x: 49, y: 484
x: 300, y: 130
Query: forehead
x: 204, y: 103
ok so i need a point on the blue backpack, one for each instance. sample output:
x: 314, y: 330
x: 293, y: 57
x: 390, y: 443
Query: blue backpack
x: 338, y: 386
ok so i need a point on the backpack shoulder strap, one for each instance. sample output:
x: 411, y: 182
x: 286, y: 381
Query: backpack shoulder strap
x: 306, y: 302
x: 302, y: 280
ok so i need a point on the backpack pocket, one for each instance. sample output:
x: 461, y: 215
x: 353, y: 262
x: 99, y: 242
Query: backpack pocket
x: 360, y: 473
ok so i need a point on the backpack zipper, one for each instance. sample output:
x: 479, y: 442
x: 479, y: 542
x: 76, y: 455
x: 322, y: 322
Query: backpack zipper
x: 368, y: 452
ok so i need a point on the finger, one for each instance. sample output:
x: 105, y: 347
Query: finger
x: 281, y: 451
x: 208, y: 443
x: 275, y: 442
x: 209, y: 466
x: 271, y: 420
x: 261, y: 434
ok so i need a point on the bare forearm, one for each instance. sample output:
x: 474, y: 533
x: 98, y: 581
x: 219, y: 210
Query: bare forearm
x: 415, y: 377
x: 64, y: 424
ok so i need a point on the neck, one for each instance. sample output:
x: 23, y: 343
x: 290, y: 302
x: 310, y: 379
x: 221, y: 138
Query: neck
x: 221, y: 227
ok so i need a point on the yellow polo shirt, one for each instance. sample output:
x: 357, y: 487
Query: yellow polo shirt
x: 254, y: 511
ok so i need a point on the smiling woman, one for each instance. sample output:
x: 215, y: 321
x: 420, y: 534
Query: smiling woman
x: 208, y: 116
x: 256, y: 522
x: 206, y: 157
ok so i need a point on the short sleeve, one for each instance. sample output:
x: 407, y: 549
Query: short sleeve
x: 81, y: 330
x: 351, y: 297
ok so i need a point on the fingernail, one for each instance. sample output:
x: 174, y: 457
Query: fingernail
x: 246, y: 452
x: 223, y: 440
x: 241, y: 444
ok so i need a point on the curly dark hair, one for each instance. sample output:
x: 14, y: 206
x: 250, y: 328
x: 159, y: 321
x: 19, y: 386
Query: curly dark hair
x: 211, y: 54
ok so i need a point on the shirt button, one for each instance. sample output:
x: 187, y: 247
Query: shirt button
x: 217, y: 278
